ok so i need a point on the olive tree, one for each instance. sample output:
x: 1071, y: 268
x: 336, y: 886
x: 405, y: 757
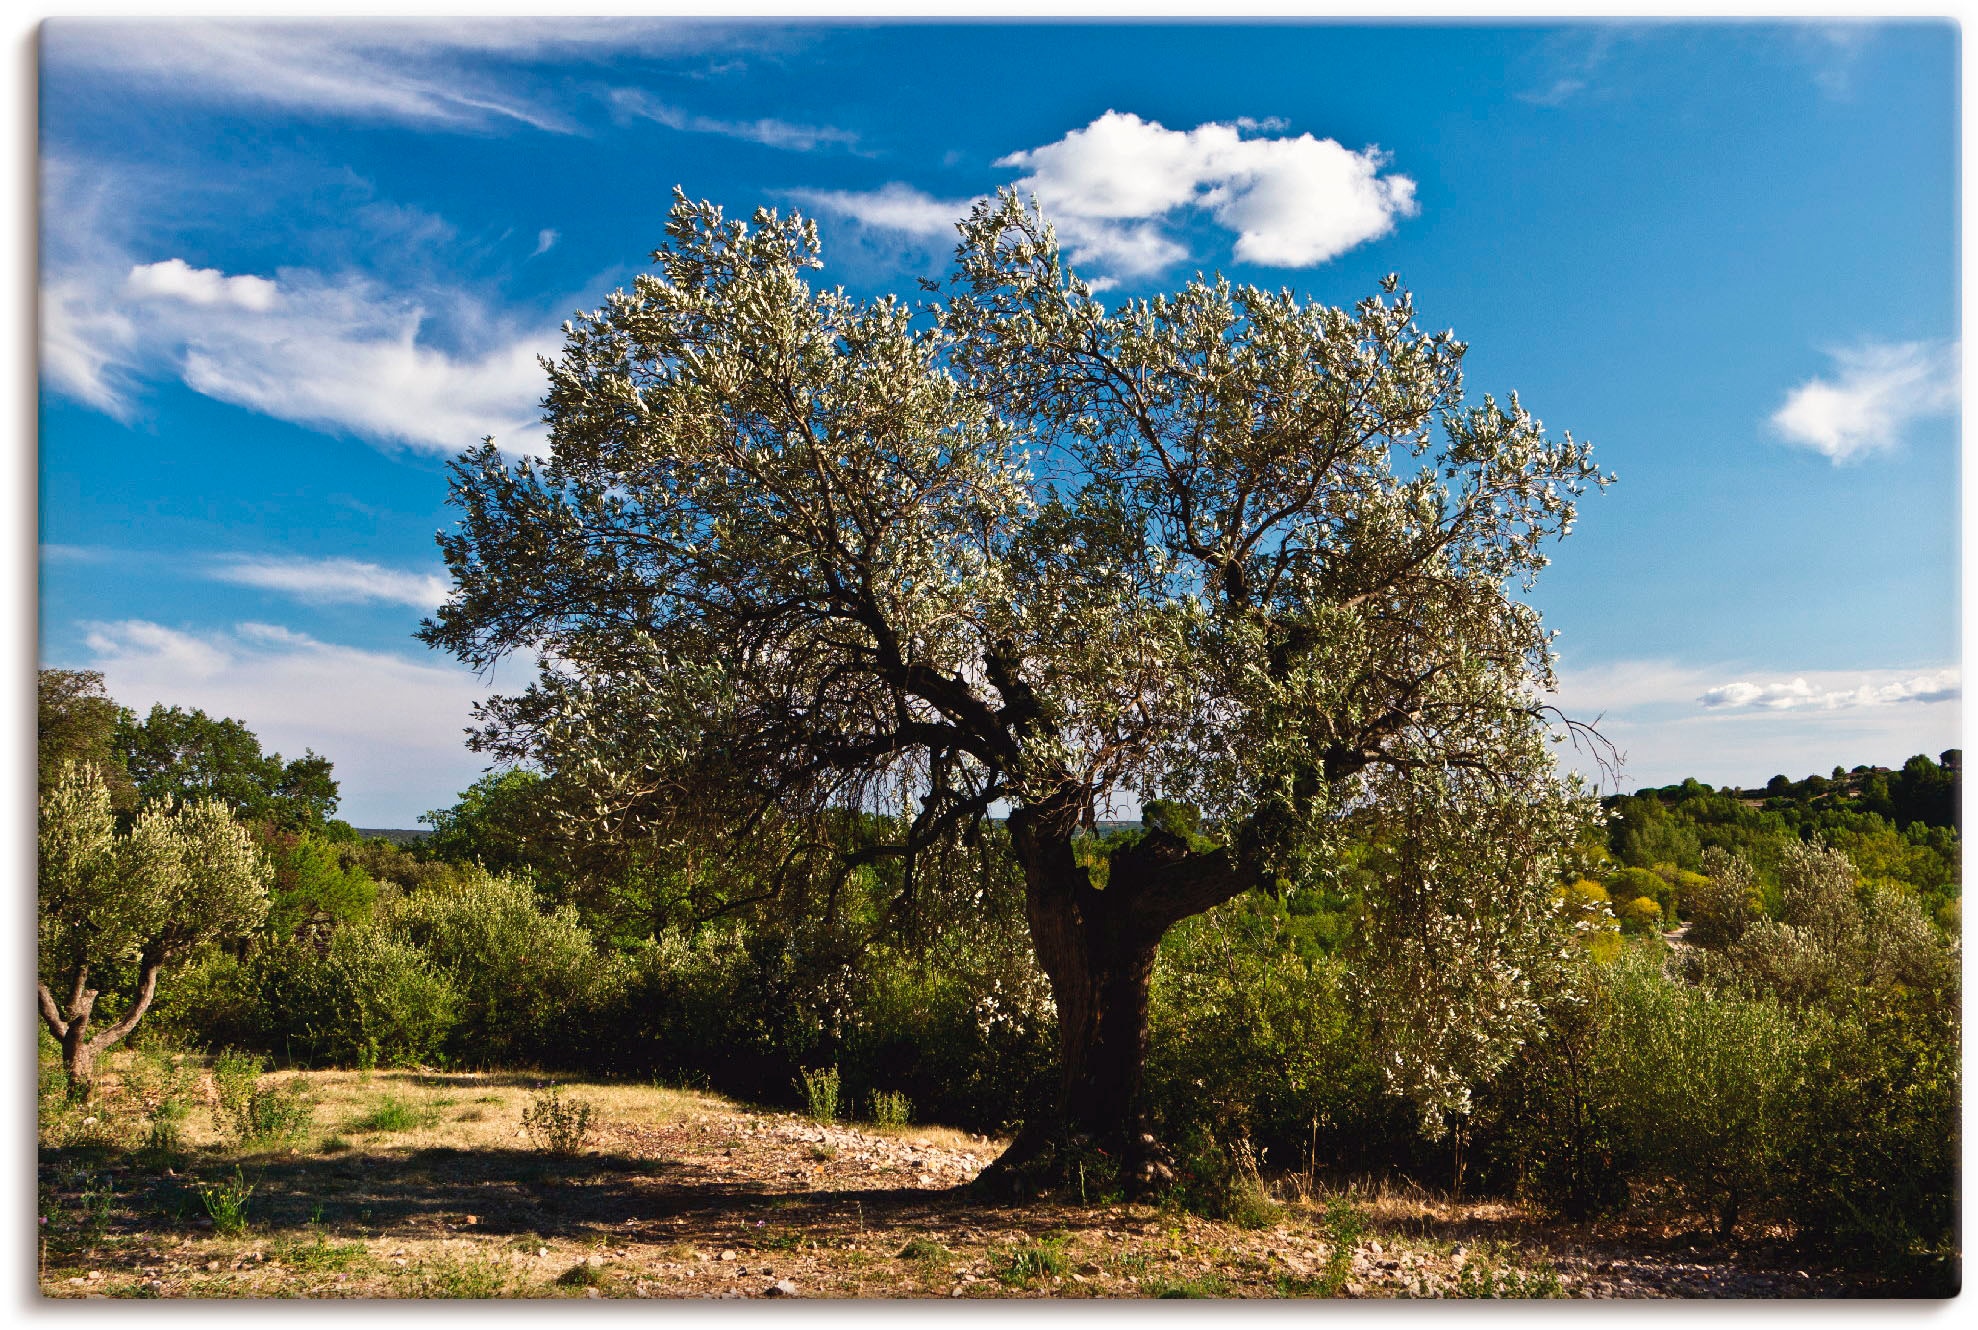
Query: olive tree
x: 1011, y: 553
x: 117, y: 907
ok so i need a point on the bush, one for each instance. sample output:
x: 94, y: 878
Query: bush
x: 820, y: 1091
x: 557, y: 1125
x: 890, y: 1108
x: 248, y: 1113
x: 530, y: 982
x: 371, y: 1000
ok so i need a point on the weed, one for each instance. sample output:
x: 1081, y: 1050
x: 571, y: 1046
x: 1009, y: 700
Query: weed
x: 334, y: 1145
x: 395, y: 1114
x: 582, y: 1275
x: 1202, y: 1286
x: 823, y: 1152
x: 783, y: 1239
x: 890, y: 1108
x: 924, y: 1249
x: 469, y: 1115
x: 1343, y: 1226
x: 226, y: 1203
x: 1023, y: 1266
x: 320, y: 1255
x: 820, y: 1091
x: 248, y: 1113
x: 1482, y: 1276
x: 476, y: 1277
x: 557, y: 1125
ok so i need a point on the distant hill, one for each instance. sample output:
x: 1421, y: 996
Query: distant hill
x: 396, y: 835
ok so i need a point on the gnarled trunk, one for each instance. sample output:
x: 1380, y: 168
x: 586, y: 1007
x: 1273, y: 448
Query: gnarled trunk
x: 71, y: 1027
x: 1097, y: 947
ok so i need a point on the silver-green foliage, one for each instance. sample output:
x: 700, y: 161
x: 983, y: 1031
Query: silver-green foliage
x: 794, y: 552
x: 117, y: 907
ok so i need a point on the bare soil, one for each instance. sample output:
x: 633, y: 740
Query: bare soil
x: 688, y: 1195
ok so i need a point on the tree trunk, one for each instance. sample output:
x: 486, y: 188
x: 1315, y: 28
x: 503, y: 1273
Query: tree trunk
x: 1098, y: 948
x: 71, y: 1028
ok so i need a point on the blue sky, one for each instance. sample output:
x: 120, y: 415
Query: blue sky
x: 287, y: 270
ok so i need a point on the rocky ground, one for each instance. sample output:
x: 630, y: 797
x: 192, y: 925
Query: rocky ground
x: 682, y: 1195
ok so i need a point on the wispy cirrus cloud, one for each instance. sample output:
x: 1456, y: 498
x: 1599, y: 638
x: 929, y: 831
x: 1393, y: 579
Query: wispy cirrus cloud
x: 1876, y: 391
x: 767, y: 131
x: 1114, y: 187
x: 392, y: 725
x: 327, y: 581
x: 446, y: 74
x: 338, y: 352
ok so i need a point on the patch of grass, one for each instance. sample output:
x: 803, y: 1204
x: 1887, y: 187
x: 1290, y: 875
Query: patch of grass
x: 469, y: 1115
x: 395, y: 1114
x: 783, y: 1239
x: 226, y: 1203
x: 248, y: 1113
x: 1021, y: 1267
x: 471, y: 1277
x: 582, y: 1275
x: 334, y: 1145
x: 1489, y: 1273
x: 321, y: 1255
x: 1202, y: 1286
x: 924, y: 1249
x: 822, y: 1152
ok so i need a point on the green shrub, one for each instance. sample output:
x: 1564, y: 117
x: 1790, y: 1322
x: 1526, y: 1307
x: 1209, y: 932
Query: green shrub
x: 248, y: 1113
x: 371, y: 1000
x: 557, y: 1125
x: 820, y: 1091
x: 890, y: 1108
x: 226, y: 1203
x: 395, y: 1114
x: 529, y: 981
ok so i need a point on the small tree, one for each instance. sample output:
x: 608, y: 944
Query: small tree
x: 116, y: 908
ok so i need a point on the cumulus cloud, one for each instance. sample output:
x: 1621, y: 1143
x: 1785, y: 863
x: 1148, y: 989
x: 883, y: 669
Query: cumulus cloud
x: 1110, y: 187
x: 768, y: 132
x: 393, y: 726
x: 335, y: 352
x: 1876, y: 391
x: 334, y: 580
x: 1797, y: 693
x: 175, y: 279
x: 434, y: 73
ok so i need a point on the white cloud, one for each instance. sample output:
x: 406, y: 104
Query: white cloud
x: 393, y: 726
x: 1293, y: 202
x: 545, y: 238
x: 1878, y: 389
x: 771, y: 133
x: 1671, y: 720
x: 429, y: 72
x: 175, y: 279
x: 891, y: 207
x: 1788, y: 694
x: 334, y: 352
x: 1110, y: 187
x: 335, y: 580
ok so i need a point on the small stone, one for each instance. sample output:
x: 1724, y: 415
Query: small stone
x: 594, y: 1260
x: 727, y: 1253
x: 1375, y: 1247
x: 470, y: 1219
x: 782, y: 1288
x: 592, y: 1293
x: 212, y: 1265
x: 1089, y: 1268
x: 542, y: 1251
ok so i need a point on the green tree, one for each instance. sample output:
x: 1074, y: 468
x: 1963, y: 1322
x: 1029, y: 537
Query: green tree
x: 793, y: 554
x: 116, y: 908
x: 186, y: 755
x: 77, y: 722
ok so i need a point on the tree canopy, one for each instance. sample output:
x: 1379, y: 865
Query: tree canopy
x: 794, y: 553
x: 184, y: 755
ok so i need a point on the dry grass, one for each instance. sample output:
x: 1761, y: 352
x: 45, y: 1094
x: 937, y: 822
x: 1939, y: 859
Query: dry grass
x: 683, y: 1194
